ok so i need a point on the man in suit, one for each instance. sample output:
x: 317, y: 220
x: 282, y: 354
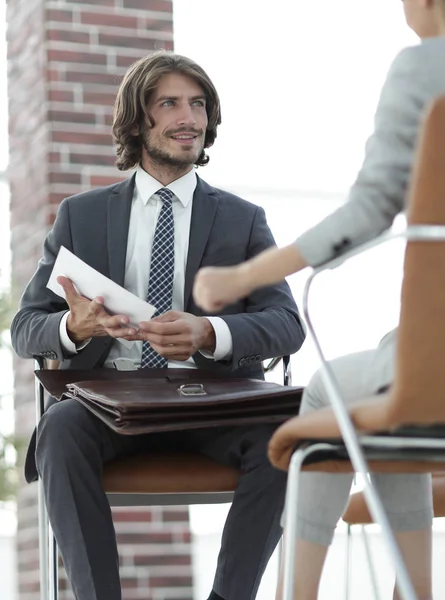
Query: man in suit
x: 153, y: 232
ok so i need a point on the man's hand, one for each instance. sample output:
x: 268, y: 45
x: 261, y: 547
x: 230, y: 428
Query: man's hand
x: 178, y: 335
x: 88, y: 318
x: 216, y: 287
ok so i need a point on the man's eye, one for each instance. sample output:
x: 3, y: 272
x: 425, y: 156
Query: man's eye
x: 198, y: 103
x: 167, y: 103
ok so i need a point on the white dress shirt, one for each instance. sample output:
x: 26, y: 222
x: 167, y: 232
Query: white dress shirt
x: 144, y: 214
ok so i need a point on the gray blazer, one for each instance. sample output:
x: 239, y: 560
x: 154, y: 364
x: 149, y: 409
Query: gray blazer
x: 225, y: 230
x: 415, y: 78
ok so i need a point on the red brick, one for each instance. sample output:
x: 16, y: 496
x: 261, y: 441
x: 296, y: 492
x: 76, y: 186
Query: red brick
x: 186, y: 537
x: 54, y: 158
x: 123, y: 41
x: 159, y: 560
x: 60, y: 96
x: 177, y: 516
x: 53, y: 75
x: 156, y: 537
x: 108, y: 20
x: 70, y: 56
x: 60, y: 16
x: 72, y: 37
x: 125, y: 60
x: 61, y: 177
x: 155, y: 5
x: 86, y: 137
x: 132, y: 516
x: 94, y: 2
x: 99, y: 98
x: 76, y: 116
x: 129, y: 582
x: 95, y: 78
x: 157, y: 25
x: 92, y: 160
x: 171, y: 581
x: 102, y: 180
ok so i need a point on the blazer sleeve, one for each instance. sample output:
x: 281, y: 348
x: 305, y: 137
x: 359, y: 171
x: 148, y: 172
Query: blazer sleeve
x: 379, y: 192
x: 35, y: 328
x: 269, y: 323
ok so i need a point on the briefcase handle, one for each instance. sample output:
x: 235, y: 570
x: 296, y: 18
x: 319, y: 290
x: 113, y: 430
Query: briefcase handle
x: 192, y: 389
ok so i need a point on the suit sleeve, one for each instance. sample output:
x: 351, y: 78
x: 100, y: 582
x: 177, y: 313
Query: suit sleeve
x: 379, y: 192
x: 270, y: 324
x: 35, y: 328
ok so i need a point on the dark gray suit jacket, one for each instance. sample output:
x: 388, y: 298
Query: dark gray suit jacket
x: 225, y: 230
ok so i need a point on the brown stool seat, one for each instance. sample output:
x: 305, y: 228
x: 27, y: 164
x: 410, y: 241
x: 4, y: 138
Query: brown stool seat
x: 174, y: 473
x: 357, y: 512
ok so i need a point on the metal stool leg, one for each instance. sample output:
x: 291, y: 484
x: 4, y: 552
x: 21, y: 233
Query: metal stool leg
x: 43, y: 545
x: 43, y: 524
x: 349, y: 542
x: 53, y: 566
x: 372, y: 573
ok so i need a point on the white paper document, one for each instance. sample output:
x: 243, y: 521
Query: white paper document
x: 90, y: 283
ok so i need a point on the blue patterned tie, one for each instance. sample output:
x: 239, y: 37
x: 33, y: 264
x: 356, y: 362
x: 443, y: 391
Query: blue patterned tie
x: 160, y: 285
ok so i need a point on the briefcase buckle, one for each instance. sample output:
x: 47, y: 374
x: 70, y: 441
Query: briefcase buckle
x: 192, y: 389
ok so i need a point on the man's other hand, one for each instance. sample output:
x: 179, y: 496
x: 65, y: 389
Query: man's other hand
x: 88, y: 318
x: 178, y: 335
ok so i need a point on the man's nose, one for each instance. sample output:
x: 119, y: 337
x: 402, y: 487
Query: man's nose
x: 186, y: 115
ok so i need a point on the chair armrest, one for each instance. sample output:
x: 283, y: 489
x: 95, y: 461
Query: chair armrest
x: 39, y: 391
x: 412, y: 233
x: 287, y: 372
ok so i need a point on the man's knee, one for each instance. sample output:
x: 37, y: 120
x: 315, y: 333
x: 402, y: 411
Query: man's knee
x: 255, y: 446
x: 61, y: 429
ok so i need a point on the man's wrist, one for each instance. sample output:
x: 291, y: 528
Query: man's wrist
x: 68, y: 345
x: 74, y: 337
x: 209, y: 338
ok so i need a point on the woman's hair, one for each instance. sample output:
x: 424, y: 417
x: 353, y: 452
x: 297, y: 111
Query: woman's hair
x: 130, y: 110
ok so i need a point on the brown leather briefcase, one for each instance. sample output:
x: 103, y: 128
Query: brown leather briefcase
x: 176, y: 399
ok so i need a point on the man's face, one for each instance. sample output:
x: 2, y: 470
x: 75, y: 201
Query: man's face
x: 178, y: 110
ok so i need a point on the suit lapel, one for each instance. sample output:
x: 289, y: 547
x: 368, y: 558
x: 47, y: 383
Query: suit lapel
x: 118, y: 219
x: 205, y: 203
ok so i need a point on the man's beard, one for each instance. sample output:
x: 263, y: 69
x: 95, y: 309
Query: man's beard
x: 165, y: 159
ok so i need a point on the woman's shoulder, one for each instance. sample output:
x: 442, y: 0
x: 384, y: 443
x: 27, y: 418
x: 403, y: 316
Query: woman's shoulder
x: 428, y: 55
x: 417, y: 73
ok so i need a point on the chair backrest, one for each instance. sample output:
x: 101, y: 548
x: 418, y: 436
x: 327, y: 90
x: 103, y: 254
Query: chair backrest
x: 418, y: 393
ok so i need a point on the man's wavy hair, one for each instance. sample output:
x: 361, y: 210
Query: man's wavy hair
x: 131, y: 112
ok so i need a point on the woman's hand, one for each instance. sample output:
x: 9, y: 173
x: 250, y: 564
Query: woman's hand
x: 282, y: 444
x: 216, y: 287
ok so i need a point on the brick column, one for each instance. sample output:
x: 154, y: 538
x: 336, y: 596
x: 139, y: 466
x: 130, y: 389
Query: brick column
x: 66, y: 58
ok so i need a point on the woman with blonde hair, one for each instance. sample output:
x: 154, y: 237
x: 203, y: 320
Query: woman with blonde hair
x: 416, y: 76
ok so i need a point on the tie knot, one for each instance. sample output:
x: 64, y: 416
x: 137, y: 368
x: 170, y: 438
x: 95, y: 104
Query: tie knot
x: 165, y: 194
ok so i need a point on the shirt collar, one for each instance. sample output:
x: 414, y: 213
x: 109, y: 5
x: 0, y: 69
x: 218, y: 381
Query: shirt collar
x: 183, y: 188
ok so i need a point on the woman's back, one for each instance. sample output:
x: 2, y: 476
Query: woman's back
x: 416, y: 76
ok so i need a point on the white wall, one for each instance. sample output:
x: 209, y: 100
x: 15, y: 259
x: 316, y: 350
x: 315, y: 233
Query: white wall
x: 8, y: 580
